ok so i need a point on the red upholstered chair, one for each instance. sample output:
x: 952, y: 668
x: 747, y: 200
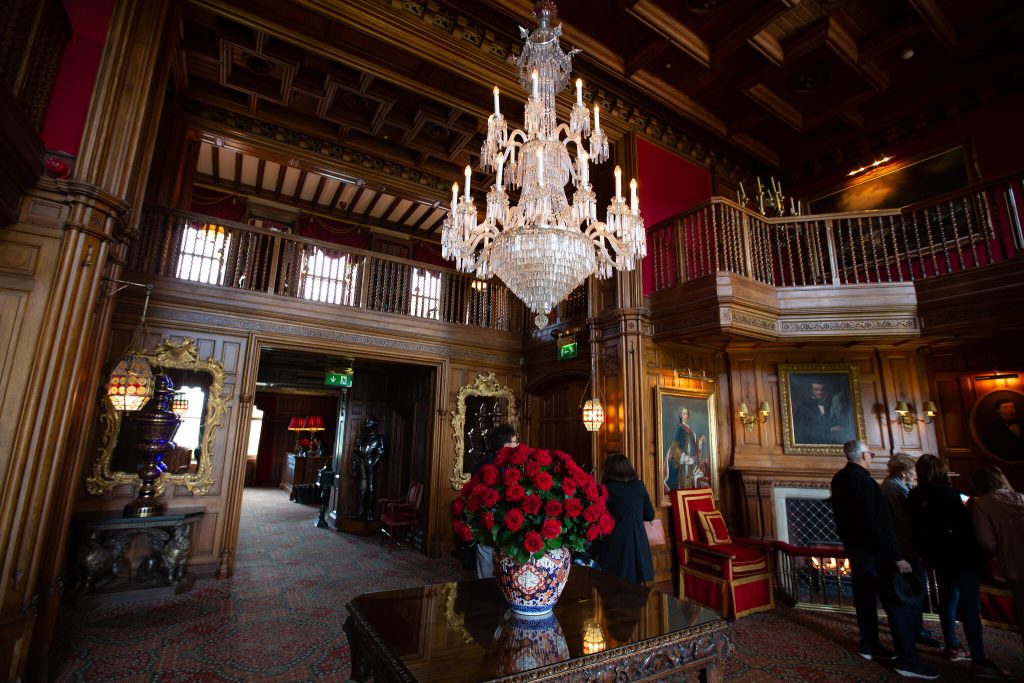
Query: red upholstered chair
x: 401, y: 513
x: 729, y: 575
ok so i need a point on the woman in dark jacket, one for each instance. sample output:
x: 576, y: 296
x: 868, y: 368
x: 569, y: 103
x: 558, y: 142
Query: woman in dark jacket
x: 626, y: 551
x: 944, y: 535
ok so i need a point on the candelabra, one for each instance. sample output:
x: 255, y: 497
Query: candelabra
x: 544, y: 247
x: 768, y: 202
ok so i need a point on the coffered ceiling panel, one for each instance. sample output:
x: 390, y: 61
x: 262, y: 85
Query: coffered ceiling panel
x: 371, y: 108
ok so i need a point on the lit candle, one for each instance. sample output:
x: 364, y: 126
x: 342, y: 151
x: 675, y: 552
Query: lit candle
x: 469, y: 173
x: 634, y: 203
x: 497, y: 110
x: 618, y: 182
x: 579, y: 92
x: 535, y: 90
x: 792, y: 207
x: 455, y: 194
x: 540, y: 167
x: 501, y: 164
x: 597, y: 117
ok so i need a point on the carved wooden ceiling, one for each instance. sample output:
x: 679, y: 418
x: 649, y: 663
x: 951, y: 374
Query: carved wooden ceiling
x: 391, y: 95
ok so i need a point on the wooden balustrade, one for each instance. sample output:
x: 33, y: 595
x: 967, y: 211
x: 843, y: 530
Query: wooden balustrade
x: 235, y: 255
x: 956, y: 232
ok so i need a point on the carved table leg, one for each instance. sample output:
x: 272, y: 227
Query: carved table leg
x: 360, y: 668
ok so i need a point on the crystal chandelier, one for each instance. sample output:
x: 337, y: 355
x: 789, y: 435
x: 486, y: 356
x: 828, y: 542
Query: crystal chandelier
x: 544, y: 247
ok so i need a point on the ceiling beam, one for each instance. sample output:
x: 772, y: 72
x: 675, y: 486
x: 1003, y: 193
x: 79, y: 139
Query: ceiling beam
x: 665, y: 25
x: 937, y: 22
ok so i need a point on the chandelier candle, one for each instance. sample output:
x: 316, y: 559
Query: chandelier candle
x: 546, y: 245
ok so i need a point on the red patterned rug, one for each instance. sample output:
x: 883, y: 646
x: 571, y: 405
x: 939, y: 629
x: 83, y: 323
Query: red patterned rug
x: 280, y: 617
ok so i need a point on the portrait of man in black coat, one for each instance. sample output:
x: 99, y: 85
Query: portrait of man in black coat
x: 1002, y: 433
x: 822, y: 414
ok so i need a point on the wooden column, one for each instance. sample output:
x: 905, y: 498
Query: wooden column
x: 69, y: 235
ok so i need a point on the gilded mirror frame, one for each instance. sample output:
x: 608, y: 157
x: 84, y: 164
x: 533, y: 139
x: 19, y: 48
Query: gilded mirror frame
x: 176, y: 356
x: 485, y: 385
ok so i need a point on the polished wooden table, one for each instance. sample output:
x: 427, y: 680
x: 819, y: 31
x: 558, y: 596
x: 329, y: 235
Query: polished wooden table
x: 602, y: 629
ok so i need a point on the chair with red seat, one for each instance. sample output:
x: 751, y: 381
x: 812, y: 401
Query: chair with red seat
x: 401, y: 513
x: 729, y: 575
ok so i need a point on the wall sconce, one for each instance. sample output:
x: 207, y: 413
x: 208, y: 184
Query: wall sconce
x: 750, y: 420
x: 905, y: 415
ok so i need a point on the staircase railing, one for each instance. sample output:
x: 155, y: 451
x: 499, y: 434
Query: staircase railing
x: 233, y: 255
x: 955, y: 232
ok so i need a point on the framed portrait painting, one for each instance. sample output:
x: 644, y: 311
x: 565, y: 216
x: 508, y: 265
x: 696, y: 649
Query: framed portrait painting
x: 997, y: 424
x: 821, y: 407
x: 687, y: 448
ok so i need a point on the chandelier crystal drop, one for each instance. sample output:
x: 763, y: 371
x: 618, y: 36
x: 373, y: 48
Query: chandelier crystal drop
x: 543, y: 247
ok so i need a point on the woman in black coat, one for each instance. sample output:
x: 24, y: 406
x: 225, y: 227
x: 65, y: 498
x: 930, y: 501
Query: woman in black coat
x: 626, y: 551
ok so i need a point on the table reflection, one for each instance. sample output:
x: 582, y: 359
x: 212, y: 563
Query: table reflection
x: 464, y: 630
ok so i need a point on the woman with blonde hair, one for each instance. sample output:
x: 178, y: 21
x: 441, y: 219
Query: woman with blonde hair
x: 896, y: 487
x: 998, y: 514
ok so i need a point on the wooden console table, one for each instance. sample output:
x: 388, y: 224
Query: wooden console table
x: 103, y: 572
x: 603, y: 628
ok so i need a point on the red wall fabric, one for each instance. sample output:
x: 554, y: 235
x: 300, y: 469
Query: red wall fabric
x: 72, y: 90
x: 218, y: 204
x: 667, y: 185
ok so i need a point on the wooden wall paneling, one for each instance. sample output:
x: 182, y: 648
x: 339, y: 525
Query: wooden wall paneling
x: 905, y: 380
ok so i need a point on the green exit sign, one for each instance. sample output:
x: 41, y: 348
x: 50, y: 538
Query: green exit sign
x: 338, y: 379
x: 567, y: 351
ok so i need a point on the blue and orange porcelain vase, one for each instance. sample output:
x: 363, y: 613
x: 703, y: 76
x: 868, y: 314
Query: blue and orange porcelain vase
x: 528, y: 642
x: 533, y: 588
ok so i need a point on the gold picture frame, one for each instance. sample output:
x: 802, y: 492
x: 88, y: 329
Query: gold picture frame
x: 687, y: 453
x: 821, y: 407
x: 483, y: 386
x: 168, y: 355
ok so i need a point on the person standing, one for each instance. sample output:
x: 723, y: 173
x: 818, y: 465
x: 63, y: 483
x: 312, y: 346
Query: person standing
x: 626, y: 551
x: 944, y: 534
x: 502, y: 436
x: 896, y: 487
x: 998, y: 514
x: 864, y: 524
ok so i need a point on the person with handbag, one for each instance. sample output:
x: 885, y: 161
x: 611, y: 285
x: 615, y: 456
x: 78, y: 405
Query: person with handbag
x: 626, y: 552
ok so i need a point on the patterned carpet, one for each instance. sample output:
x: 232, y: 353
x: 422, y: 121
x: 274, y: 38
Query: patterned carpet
x: 280, y: 618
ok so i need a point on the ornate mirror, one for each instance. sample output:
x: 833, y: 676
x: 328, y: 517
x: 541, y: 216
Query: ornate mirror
x: 199, y: 385
x: 480, y: 407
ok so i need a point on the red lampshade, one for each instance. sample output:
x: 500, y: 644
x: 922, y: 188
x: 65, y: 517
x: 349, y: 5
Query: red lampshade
x: 297, y: 424
x: 314, y: 423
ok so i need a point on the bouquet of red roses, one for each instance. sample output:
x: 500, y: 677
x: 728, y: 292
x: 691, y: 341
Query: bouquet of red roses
x: 529, y: 501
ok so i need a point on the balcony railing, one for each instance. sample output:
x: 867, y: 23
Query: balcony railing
x: 238, y: 256
x: 956, y: 232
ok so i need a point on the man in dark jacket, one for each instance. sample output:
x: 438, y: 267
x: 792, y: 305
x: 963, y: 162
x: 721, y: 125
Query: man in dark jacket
x: 864, y: 524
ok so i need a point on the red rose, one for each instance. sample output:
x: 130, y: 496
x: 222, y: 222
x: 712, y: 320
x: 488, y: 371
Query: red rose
x: 593, y: 532
x: 568, y: 487
x: 514, y: 493
x: 491, y: 497
x: 532, y: 468
x: 467, y: 487
x: 573, y: 507
x: 461, y: 530
x: 543, y: 457
x: 458, y: 507
x: 474, y: 503
x: 533, y: 542
x: 543, y: 481
x: 502, y: 457
x: 531, y: 504
x: 564, y: 457
x: 603, y: 491
x: 489, y: 474
x: 553, y: 508
x: 518, y: 456
x: 512, y: 475
x: 487, y: 520
x: 606, y: 524
x: 514, y: 519
x: 592, y: 514
x: 579, y: 475
x: 551, y: 528
x: 590, y: 489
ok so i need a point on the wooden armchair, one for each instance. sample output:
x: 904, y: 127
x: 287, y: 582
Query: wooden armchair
x: 730, y: 575
x: 401, y: 513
